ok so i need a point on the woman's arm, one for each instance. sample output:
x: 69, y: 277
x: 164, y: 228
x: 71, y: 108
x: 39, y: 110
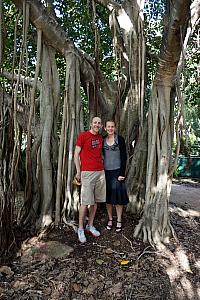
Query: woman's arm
x: 123, y: 155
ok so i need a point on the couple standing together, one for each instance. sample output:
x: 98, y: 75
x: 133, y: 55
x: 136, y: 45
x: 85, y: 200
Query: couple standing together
x: 97, y: 185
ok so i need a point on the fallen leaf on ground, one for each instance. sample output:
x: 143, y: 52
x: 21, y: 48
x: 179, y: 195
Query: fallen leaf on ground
x: 47, y: 291
x: 108, y: 251
x: 99, y: 261
x: 116, y: 289
x: 6, y: 270
x: 117, y: 243
x: 124, y: 262
x: 76, y: 287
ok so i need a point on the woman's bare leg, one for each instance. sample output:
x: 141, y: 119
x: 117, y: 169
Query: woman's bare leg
x: 109, y: 211
x: 110, y: 217
x: 119, y: 210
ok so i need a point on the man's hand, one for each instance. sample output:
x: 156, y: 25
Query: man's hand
x: 121, y: 178
x: 78, y: 177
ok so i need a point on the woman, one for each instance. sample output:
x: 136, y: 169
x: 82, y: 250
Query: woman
x: 115, y: 157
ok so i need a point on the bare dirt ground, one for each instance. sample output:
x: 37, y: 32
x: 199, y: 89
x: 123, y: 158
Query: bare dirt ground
x: 114, y: 266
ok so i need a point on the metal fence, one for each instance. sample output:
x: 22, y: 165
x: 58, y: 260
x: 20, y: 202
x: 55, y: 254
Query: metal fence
x: 189, y: 166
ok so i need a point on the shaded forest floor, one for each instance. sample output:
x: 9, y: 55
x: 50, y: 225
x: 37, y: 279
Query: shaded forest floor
x: 113, y: 266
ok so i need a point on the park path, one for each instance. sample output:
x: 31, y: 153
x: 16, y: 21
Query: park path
x: 187, y: 197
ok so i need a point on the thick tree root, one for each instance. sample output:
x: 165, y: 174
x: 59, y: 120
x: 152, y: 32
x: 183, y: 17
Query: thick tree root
x: 155, y: 236
x: 154, y: 226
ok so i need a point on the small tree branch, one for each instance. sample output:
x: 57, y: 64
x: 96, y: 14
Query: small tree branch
x: 145, y: 252
x: 51, y: 30
x: 22, y: 79
x: 172, y: 40
x: 109, y: 4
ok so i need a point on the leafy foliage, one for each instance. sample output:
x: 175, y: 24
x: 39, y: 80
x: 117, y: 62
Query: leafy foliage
x: 153, y: 14
x: 78, y: 19
x: 191, y: 90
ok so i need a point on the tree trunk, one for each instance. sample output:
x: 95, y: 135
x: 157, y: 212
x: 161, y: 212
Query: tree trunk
x: 6, y: 184
x: 154, y: 226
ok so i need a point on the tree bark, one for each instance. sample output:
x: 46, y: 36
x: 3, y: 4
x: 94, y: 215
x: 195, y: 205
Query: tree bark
x: 154, y: 226
x: 6, y: 185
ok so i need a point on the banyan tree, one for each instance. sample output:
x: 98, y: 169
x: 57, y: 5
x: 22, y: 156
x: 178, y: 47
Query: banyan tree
x: 50, y: 87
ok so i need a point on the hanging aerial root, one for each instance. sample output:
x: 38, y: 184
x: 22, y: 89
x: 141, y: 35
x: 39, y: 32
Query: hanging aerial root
x: 70, y: 223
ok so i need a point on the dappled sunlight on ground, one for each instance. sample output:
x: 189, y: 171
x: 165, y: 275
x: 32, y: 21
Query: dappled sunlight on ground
x: 185, y: 212
x: 178, y: 268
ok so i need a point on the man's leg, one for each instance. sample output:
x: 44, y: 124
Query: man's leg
x: 82, y: 213
x: 90, y: 228
x: 99, y: 194
x: 92, y: 212
x: 81, y: 233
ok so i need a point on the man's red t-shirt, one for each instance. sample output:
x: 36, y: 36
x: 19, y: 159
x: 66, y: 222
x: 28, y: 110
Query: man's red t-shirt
x: 91, y: 151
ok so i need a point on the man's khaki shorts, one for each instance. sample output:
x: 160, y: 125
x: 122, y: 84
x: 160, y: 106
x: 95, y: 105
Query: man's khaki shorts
x: 93, y: 188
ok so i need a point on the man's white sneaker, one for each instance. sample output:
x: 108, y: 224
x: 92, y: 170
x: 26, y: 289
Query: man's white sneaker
x: 92, y: 230
x: 81, y: 236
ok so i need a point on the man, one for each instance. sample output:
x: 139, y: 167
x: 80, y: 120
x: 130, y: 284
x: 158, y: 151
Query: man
x: 90, y: 170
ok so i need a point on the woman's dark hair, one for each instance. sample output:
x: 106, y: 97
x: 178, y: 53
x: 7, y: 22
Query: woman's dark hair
x: 110, y: 121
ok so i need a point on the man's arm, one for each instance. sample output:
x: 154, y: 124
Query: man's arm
x: 77, y: 162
